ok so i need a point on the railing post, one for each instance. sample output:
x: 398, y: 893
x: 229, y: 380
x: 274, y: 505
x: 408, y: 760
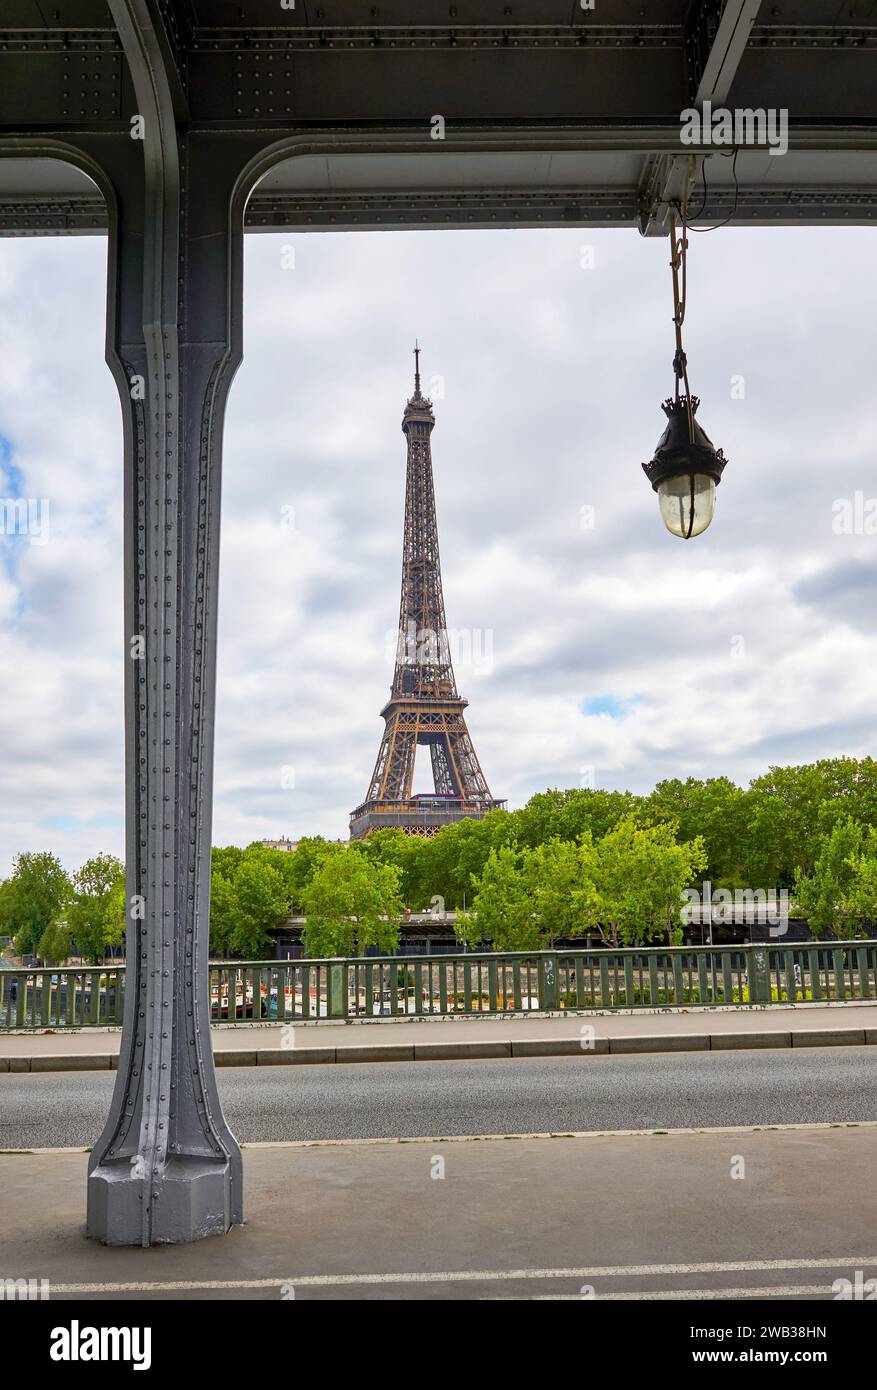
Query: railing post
x: 549, y: 994
x: 337, y: 988
x: 759, y: 975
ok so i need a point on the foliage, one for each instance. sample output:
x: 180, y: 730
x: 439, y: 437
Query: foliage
x: 568, y: 862
x: 791, y: 809
x: 567, y: 815
x: 716, y: 810
x: 297, y: 867
x: 54, y: 944
x: 625, y: 887
x: 523, y: 898
x: 96, y: 915
x: 250, y: 893
x: 32, y: 898
x: 632, y: 883
x: 501, y: 911
x: 352, y: 902
x: 841, y: 893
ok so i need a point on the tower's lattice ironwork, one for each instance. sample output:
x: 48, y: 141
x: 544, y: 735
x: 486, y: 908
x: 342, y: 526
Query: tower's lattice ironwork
x: 424, y: 705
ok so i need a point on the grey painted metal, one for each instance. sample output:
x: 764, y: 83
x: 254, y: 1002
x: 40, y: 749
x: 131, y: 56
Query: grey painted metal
x: 166, y: 1167
x: 610, y: 84
x: 716, y: 39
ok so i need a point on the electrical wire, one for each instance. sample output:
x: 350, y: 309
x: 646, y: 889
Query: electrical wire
x: 731, y: 214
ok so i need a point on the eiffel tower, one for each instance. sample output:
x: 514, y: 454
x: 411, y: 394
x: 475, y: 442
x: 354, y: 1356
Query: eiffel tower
x: 424, y: 706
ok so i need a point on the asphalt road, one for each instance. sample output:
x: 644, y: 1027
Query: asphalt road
x: 368, y: 1100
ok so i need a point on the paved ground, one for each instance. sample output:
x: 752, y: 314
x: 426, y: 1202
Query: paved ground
x: 453, y: 1029
x: 509, y: 1219
x: 391, y: 1100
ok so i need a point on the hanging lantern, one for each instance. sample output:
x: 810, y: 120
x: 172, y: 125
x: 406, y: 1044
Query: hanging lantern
x: 686, y: 468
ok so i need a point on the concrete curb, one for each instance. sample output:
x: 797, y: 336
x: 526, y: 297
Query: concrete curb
x: 672, y: 1042
x: 469, y: 1051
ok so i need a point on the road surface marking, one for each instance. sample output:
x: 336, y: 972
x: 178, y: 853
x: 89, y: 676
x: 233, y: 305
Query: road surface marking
x: 657, y: 1295
x: 801, y: 1126
x: 464, y: 1276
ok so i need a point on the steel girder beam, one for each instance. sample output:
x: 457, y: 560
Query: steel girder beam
x: 166, y: 1167
x: 280, y: 210
x: 717, y: 32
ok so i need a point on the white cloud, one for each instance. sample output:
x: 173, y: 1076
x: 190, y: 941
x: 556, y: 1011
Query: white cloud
x: 553, y: 376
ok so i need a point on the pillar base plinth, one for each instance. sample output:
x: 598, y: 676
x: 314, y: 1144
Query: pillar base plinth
x: 189, y: 1198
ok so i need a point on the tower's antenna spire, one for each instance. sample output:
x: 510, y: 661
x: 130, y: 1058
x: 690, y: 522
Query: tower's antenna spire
x: 416, y: 368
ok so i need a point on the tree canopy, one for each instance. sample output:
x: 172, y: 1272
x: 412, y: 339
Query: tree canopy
x: 32, y: 898
x: 96, y: 913
x: 351, y: 903
x: 569, y: 862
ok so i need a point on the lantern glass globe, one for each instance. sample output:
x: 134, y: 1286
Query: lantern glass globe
x: 687, y: 504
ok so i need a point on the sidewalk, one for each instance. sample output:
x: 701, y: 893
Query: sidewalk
x: 605, y: 1216
x: 392, y: 1040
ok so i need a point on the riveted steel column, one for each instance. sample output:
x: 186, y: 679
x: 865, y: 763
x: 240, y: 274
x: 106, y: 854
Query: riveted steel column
x: 166, y: 1167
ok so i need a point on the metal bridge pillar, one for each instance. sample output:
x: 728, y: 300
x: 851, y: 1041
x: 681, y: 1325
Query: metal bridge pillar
x: 167, y: 1167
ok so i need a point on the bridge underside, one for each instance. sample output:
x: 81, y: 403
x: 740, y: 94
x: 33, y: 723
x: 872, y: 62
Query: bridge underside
x: 577, y: 179
x: 554, y: 115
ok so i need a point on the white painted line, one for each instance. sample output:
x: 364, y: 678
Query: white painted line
x: 557, y: 1134
x: 466, y: 1276
x: 481, y: 1138
x: 688, y: 1295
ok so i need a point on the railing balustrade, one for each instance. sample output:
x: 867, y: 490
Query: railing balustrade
x: 518, y: 982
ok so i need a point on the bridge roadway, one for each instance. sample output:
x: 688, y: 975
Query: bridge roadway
x: 347, y: 1214
x: 405, y: 1100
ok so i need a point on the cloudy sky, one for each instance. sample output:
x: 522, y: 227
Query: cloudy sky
x: 594, y: 648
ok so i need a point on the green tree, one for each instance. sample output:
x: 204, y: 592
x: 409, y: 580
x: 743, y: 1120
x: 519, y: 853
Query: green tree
x: 261, y: 900
x: 436, y: 870
x: 502, y: 911
x: 553, y: 879
x: 567, y: 815
x: 524, y: 899
x: 860, y: 899
x: 251, y: 892
x: 298, y: 866
x: 225, y: 861
x: 54, y: 944
x: 96, y: 915
x: 791, y: 810
x: 715, y: 809
x: 830, y: 897
x: 223, y: 905
x: 407, y: 853
x: 352, y: 903
x: 632, y: 880
x: 32, y: 898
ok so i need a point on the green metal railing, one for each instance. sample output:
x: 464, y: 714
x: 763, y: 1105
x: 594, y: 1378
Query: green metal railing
x: 426, y: 986
x: 67, y: 997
